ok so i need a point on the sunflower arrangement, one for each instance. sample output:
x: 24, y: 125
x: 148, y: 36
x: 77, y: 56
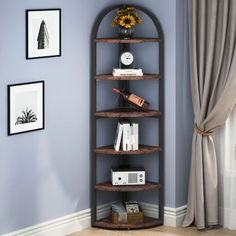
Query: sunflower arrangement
x: 126, y: 17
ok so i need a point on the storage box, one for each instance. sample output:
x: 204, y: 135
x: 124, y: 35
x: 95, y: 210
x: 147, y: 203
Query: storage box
x: 130, y: 218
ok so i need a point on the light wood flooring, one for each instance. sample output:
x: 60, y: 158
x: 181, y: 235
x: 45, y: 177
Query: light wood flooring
x: 159, y: 231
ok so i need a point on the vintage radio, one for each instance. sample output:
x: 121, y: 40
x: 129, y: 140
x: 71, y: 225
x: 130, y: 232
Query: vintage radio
x: 130, y: 176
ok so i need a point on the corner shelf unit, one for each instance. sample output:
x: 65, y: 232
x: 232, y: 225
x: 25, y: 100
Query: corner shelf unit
x: 143, y: 149
x: 147, y: 223
x: 111, y: 77
x: 126, y: 188
x: 127, y: 112
x: 133, y: 40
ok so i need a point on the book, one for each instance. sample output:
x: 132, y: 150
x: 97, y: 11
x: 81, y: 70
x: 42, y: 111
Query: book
x: 119, y: 131
x: 127, y: 136
x: 127, y: 72
x: 128, y: 141
x: 136, y: 135
x: 132, y: 138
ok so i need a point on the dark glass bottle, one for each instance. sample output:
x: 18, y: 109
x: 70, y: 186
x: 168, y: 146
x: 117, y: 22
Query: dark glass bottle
x: 133, y: 99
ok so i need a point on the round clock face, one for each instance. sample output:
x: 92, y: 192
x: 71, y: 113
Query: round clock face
x: 127, y: 58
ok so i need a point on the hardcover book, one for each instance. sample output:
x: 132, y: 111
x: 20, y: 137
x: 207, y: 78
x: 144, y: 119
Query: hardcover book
x: 127, y: 136
x: 119, y: 131
x: 127, y: 72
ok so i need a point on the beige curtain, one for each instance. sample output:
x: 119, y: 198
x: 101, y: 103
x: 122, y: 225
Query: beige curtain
x: 212, y: 38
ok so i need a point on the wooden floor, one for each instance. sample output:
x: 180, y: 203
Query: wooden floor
x: 159, y: 231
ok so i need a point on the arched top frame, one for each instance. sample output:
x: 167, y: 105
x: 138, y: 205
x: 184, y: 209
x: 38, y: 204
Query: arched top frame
x: 107, y: 10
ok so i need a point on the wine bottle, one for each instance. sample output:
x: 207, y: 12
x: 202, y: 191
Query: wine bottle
x: 133, y: 99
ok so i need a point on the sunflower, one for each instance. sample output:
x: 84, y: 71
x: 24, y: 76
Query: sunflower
x: 115, y: 21
x: 127, y: 21
x: 126, y: 17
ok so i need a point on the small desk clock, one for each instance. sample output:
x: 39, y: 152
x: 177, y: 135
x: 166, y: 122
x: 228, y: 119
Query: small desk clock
x: 126, y: 60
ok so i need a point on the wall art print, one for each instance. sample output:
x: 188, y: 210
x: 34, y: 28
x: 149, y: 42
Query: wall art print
x: 43, y: 33
x: 25, y: 107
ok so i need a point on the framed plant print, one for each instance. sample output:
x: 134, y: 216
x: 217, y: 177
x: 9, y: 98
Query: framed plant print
x: 25, y: 107
x: 43, y: 33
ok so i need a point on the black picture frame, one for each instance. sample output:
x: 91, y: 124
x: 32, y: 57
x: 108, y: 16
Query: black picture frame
x: 43, y: 33
x: 26, y: 111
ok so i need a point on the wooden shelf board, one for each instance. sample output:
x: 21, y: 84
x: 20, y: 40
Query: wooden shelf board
x: 133, y: 40
x: 127, y: 188
x: 126, y: 112
x: 111, y: 77
x: 143, y: 149
x: 147, y: 223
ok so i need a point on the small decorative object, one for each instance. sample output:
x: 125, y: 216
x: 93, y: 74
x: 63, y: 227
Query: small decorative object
x: 25, y: 107
x: 132, y: 207
x: 126, y: 60
x: 133, y: 99
x: 127, y: 66
x: 43, y: 33
x: 133, y: 214
x: 118, y: 207
x: 126, y: 18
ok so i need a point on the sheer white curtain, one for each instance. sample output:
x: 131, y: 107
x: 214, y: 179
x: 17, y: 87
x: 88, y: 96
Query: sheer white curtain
x: 225, y: 140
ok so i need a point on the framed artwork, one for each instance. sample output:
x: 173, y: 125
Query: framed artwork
x: 43, y: 33
x: 132, y: 208
x: 25, y: 107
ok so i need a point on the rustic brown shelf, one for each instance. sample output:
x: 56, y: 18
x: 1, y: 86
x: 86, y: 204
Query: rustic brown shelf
x: 143, y: 149
x: 147, y: 223
x: 125, y: 113
x: 133, y: 40
x: 144, y: 77
x: 127, y: 188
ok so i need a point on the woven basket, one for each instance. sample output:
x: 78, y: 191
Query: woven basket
x: 130, y: 218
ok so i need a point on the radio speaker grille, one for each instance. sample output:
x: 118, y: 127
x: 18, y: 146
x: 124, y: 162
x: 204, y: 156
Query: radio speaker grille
x: 132, y: 178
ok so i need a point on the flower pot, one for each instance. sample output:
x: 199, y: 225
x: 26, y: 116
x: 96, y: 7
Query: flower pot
x: 126, y: 33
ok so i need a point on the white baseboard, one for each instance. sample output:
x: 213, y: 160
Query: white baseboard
x: 64, y: 225
x: 81, y: 220
x: 173, y: 217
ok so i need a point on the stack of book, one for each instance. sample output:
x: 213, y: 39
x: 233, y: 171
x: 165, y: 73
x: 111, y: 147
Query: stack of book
x: 127, y: 72
x: 126, y: 136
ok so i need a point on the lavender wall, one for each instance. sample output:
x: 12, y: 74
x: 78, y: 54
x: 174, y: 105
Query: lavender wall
x: 184, y: 113
x: 45, y: 174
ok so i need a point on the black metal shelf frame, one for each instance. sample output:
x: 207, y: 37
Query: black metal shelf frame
x: 93, y: 108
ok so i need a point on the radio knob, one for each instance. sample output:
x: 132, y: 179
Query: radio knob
x: 141, y: 180
x: 141, y: 175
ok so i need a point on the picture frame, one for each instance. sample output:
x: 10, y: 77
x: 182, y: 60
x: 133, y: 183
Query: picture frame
x: 43, y: 33
x: 132, y: 208
x: 25, y: 107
